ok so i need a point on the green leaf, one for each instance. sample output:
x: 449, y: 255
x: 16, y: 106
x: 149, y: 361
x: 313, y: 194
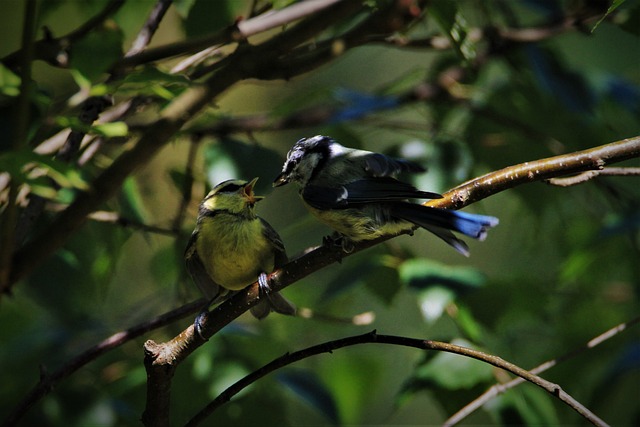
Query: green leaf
x: 433, y: 302
x: 310, y: 388
x: 9, y: 82
x: 163, y: 266
x: 207, y: 17
x: 383, y: 282
x: 151, y: 81
x: 468, y: 324
x: 149, y: 74
x: 526, y: 406
x: 111, y: 130
x: 448, y: 16
x: 64, y: 174
x: 131, y: 202
x: 97, y: 52
x: 614, y: 6
x: 227, y: 374
x: 452, y: 371
x: 423, y: 273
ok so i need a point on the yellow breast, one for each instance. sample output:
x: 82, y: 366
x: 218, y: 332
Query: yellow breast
x: 361, y: 224
x: 234, y: 252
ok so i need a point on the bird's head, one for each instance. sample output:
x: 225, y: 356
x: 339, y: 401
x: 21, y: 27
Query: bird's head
x: 305, y: 158
x: 234, y: 195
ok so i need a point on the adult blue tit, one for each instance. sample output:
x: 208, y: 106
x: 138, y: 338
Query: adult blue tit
x: 356, y: 193
x: 231, y: 247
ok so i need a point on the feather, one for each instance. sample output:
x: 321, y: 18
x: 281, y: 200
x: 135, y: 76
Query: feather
x: 471, y: 225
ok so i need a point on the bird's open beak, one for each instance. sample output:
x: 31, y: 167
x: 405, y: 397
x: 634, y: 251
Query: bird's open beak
x: 280, y: 180
x: 248, y: 192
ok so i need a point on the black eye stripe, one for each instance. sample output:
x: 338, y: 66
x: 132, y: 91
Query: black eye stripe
x: 231, y: 188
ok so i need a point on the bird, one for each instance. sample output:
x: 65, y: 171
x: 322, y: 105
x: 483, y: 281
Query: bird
x: 231, y: 247
x: 357, y: 193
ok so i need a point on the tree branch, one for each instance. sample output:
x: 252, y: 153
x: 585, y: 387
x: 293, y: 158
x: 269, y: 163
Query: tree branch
x: 161, y: 360
x: 54, y: 50
x: 9, y: 219
x: 540, y: 170
x: 373, y: 337
x: 171, y: 119
x: 49, y: 381
x: 589, y: 175
x: 502, y: 388
x: 234, y: 33
x: 150, y: 26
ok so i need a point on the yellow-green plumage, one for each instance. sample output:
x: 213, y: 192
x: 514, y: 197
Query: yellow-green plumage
x: 231, y: 247
x: 237, y: 259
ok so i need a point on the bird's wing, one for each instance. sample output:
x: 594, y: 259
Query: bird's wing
x: 210, y: 289
x: 274, y: 301
x: 363, y: 191
x: 272, y: 235
x: 379, y: 165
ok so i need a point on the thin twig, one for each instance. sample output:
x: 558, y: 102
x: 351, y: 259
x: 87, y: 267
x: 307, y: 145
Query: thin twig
x: 115, y: 218
x: 498, y: 389
x: 54, y: 50
x: 162, y: 359
x: 170, y: 120
x: 540, y: 170
x: 589, y: 175
x: 49, y: 381
x: 9, y: 219
x: 373, y: 337
x: 237, y: 32
x: 150, y: 26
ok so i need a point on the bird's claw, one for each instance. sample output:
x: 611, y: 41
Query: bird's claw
x: 199, y: 321
x: 339, y: 240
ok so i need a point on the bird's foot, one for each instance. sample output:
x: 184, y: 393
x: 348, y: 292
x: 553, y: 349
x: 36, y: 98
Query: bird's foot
x: 200, y: 320
x: 340, y: 241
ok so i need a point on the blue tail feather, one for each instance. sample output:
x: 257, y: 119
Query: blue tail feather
x: 440, y: 221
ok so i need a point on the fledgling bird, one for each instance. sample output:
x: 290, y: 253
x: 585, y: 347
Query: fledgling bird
x: 231, y: 247
x: 356, y: 193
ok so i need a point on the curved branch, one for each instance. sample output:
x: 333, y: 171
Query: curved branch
x: 162, y: 359
x: 373, y: 337
x: 49, y: 381
x: 150, y: 26
x: 502, y: 388
x: 589, y: 175
x: 49, y: 48
x: 314, y: 259
x: 234, y: 33
x: 171, y: 120
x: 540, y: 170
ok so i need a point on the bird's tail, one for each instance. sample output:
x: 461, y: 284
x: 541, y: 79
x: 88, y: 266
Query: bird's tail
x: 441, y: 221
x: 273, y: 301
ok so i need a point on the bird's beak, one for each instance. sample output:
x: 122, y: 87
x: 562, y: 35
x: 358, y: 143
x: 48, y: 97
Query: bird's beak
x: 280, y: 180
x: 248, y: 192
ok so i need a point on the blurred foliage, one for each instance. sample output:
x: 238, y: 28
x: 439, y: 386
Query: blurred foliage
x: 561, y: 268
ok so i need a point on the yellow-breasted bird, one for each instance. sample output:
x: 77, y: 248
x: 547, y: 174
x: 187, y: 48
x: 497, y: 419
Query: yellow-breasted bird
x: 231, y: 247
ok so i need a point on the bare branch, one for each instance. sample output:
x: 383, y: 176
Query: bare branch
x: 9, y: 235
x: 502, y: 388
x: 53, y: 50
x: 237, y: 32
x: 49, y: 381
x: 589, y: 175
x: 172, y: 118
x: 161, y: 360
x: 150, y: 26
x: 580, y: 161
x: 373, y: 337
